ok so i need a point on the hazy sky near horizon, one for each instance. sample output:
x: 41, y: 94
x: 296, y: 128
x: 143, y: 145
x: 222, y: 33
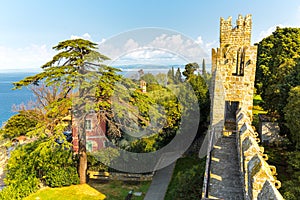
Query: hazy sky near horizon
x: 29, y: 29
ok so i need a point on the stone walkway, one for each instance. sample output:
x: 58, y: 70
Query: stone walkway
x: 225, y: 181
x: 160, y: 182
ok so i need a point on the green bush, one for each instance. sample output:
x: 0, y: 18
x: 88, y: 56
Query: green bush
x: 255, y: 122
x: 187, y: 179
x: 62, y: 177
x: 9, y: 193
x: 19, y: 124
x: 189, y: 184
x: 20, y: 188
x: 38, y: 162
x: 143, y: 145
x: 290, y: 188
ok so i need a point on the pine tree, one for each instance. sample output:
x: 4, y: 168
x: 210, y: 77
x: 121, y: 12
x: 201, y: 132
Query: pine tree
x: 204, y: 69
x: 171, y: 75
x: 190, y: 68
x: 76, y: 68
x: 178, y: 77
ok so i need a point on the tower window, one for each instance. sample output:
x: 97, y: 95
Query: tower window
x: 240, y: 63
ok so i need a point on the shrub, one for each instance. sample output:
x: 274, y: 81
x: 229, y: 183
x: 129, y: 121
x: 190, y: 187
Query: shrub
x: 21, y: 188
x: 38, y: 162
x: 62, y: 177
x: 189, y: 184
x: 143, y: 145
x: 17, y: 125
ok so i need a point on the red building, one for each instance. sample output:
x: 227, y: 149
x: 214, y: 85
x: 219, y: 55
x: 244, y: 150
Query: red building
x: 95, y: 133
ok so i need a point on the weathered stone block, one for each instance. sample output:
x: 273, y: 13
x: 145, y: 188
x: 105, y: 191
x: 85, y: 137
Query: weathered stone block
x: 269, y: 192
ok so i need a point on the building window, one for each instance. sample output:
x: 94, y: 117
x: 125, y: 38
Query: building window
x: 89, y: 146
x: 88, y: 124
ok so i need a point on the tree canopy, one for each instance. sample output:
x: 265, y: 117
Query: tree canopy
x: 200, y: 88
x: 292, y: 115
x: 75, y: 69
x: 178, y: 76
x: 17, y: 125
x: 190, y: 69
x: 278, y: 68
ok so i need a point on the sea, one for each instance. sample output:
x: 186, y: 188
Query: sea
x: 9, y: 97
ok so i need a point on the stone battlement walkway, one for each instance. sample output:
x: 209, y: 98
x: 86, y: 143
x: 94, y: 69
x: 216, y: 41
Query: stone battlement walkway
x: 225, y: 181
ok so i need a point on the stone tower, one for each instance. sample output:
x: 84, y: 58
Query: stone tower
x: 233, y: 69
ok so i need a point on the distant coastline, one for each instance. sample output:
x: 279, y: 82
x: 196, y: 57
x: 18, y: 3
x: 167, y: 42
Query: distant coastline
x: 27, y: 70
x: 9, y: 97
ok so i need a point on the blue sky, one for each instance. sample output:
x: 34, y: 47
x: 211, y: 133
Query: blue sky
x: 28, y: 29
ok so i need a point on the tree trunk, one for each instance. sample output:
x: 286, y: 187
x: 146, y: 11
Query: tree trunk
x: 82, y: 166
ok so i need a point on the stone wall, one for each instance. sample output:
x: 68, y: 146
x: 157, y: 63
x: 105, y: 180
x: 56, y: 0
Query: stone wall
x: 257, y: 175
x: 268, y: 130
x: 217, y: 102
x: 233, y: 68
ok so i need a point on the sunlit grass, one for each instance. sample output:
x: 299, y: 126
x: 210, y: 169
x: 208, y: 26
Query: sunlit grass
x: 257, y: 109
x: 74, y: 192
x: 118, y: 190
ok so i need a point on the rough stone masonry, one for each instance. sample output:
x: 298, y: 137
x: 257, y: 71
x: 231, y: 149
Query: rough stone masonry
x: 233, y: 69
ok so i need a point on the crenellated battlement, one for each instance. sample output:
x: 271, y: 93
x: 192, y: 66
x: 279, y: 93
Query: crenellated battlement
x: 232, y: 142
x: 258, y: 177
x: 239, y: 34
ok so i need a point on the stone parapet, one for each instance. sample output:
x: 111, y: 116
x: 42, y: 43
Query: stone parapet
x: 232, y: 88
x: 257, y: 175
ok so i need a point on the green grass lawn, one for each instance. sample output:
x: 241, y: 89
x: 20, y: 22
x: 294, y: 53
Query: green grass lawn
x: 257, y: 109
x: 118, y: 190
x: 112, y: 190
x: 74, y: 192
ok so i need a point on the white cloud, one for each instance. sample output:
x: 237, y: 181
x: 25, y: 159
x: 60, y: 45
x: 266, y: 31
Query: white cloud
x: 85, y: 36
x: 102, y: 41
x: 160, y: 49
x: 199, y: 40
x: 148, y: 56
x: 171, y: 42
x: 163, y: 48
x: 192, y: 51
x: 30, y: 57
x: 130, y: 44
